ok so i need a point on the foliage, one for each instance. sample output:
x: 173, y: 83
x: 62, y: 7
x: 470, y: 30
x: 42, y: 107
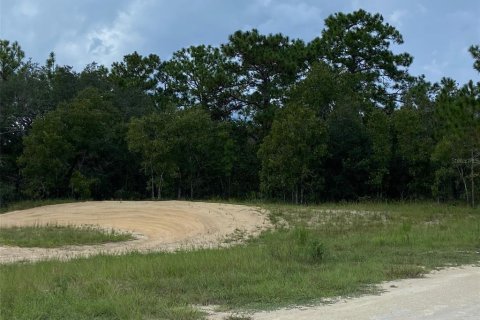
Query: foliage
x: 266, y: 66
x: 71, y: 150
x: 11, y: 56
x: 458, y: 149
x: 179, y: 146
x: 260, y: 115
x: 475, y: 51
x: 200, y: 76
x: 291, y: 154
x: 359, y: 43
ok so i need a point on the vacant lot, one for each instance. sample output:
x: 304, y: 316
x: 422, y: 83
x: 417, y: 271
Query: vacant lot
x: 321, y: 252
x: 158, y: 226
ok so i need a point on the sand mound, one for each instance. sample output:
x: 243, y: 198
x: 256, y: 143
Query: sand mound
x: 158, y: 226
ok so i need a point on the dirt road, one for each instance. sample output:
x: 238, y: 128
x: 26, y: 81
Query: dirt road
x: 158, y: 225
x: 450, y: 294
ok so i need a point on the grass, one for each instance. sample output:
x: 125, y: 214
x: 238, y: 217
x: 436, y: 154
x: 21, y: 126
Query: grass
x: 53, y: 236
x: 321, y: 254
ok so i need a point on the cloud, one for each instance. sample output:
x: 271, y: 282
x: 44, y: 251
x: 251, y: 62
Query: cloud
x: 107, y: 42
x: 104, y: 31
x: 396, y: 18
x: 421, y: 8
x: 435, y: 69
x: 26, y: 9
x: 293, y: 18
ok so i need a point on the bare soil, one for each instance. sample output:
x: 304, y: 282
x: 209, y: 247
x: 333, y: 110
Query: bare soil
x: 157, y: 226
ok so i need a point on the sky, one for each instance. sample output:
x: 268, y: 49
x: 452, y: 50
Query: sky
x: 437, y: 33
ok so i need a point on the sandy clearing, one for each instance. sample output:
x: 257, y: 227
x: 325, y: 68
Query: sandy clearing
x: 452, y: 293
x: 158, y: 226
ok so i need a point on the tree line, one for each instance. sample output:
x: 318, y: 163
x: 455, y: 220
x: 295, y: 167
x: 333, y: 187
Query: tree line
x: 260, y: 116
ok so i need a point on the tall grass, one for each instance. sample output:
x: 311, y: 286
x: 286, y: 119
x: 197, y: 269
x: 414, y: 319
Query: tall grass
x: 321, y: 254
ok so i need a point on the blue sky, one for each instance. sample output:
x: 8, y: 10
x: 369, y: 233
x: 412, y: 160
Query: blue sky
x: 436, y: 32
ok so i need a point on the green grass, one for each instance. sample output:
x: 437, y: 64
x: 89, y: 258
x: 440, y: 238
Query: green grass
x: 321, y: 255
x: 53, y: 236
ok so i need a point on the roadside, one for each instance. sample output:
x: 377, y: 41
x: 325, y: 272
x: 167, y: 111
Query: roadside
x: 452, y: 293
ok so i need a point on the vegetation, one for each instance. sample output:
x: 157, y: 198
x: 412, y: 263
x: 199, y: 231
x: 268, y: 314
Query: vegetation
x: 339, y: 118
x: 259, y: 116
x: 27, y: 204
x: 328, y: 250
x: 53, y: 236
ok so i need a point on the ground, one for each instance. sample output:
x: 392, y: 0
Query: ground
x: 158, y: 226
x: 452, y: 293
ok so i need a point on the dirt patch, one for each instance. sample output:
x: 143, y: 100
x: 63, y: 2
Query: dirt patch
x: 157, y: 226
x: 448, y: 294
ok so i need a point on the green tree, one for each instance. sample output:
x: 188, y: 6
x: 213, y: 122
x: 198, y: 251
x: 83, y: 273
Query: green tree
x: 24, y: 95
x: 292, y: 153
x: 459, y: 143
x: 413, y: 147
x: 11, y: 58
x: 136, y: 85
x: 348, y: 164
x: 137, y: 71
x: 359, y: 43
x: 378, y: 126
x: 184, y: 148
x: 413, y: 140
x: 149, y: 136
x: 323, y: 89
x: 266, y: 66
x: 200, y: 76
x: 475, y: 52
x: 71, y: 150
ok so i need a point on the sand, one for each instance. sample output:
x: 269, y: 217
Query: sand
x: 157, y: 225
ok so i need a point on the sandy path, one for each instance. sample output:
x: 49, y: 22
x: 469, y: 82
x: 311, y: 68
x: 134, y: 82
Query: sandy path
x: 158, y: 226
x: 448, y: 294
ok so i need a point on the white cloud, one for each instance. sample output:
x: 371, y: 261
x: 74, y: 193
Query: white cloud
x: 104, y: 31
x: 26, y: 9
x: 264, y: 3
x: 396, y: 18
x: 107, y: 43
x: 421, y: 8
x: 291, y: 18
x: 355, y: 4
x: 436, y: 69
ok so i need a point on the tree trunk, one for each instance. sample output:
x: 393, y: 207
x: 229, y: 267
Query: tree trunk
x: 191, y: 189
x: 153, y: 183
x: 301, y: 195
x: 460, y: 171
x: 160, y: 185
x: 229, y: 188
x: 179, y: 190
x: 472, y: 177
